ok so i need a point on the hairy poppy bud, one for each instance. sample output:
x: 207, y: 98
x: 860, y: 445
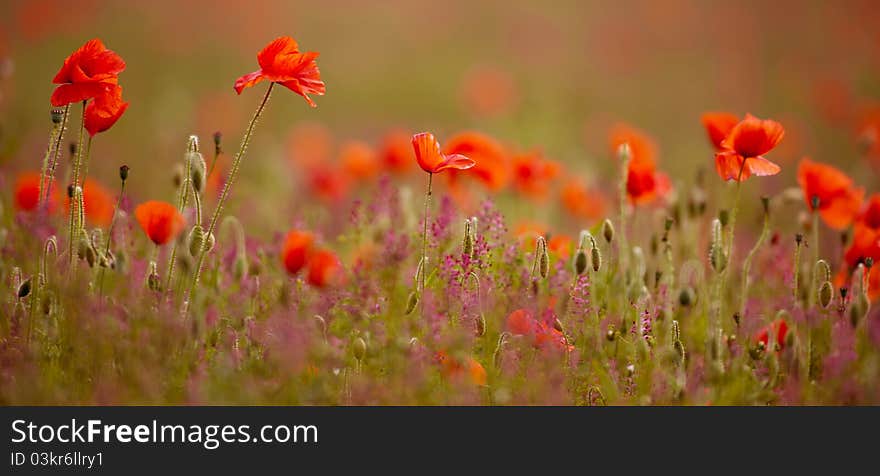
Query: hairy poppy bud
x: 123, y: 172
x: 826, y: 294
x: 823, y: 270
x: 543, y: 258
x: 24, y: 288
x: 596, y: 258
x: 608, y: 230
x: 687, y: 296
x: 72, y: 148
x: 56, y: 114
x: 359, y: 348
x: 717, y: 257
x: 580, y: 262
x: 480, y: 325
x: 218, y: 136
x: 198, y: 169
x: 196, y: 240
x: 153, y: 279
x: 411, y: 302
x: 467, y: 244
x: 724, y: 217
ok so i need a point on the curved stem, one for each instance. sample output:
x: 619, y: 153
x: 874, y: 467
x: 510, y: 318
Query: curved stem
x: 110, y: 236
x: 747, y: 264
x: 50, y: 175
x: 236, y: 164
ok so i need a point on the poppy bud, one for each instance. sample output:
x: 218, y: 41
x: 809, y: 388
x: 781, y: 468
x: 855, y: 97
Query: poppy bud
x: 543, y: 258
x: 70, y: 190
x: 217, y: 138
x: 467, y: 245
x: 765, y: 203
x: 724, y: 217
x: 869, y: 262
x: 177, y: 178
x: 24, y: 288
x: 611, y: 334
x: 209, y: 243
x: 56, y: 114
x: 198, y: 169
x: 82, y: 244
x: 608, y: 230
x: 859, y: 309
x: 826, y: 294
x: 91, y: 256
x: 823, y: 270
x: 72, y: 148
x: 240, y: 267
x: 153, y: 279
x: 192, y: 143
x: 196, y: 240
x: 480, y: 325
x: 696, y: 202
x: 667, y: 223
x: 580, y: 262
x: 596, y: 258
x: 717, y: 257
x: 799, y: 239
x: 411, y: 302
x: 359, y: 348
x: 123, y: 172
x: 687, y: 296
x: 815, y: 202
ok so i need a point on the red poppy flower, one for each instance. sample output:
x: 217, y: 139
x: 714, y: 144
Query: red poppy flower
x: 160, y: 221
x: 744, y: 147
x: 866, y: 235
x: 543, y: 335
x: 779, y: 328
x: 492, y: 167
x: 88, y: 72
x: 431, y: 160
x: 642, y: 148
x: 281, y: 62
x: 644, y: 184
x: 324, y: 269
x: 104, y: 110
x: 533, y: 174
x: 718, y: 125
x: 328, y: 183
x: 583, y: 202
x: 396, y: 152
x: 456, y: 369
x: 359, y: 160
x: 296, y: 250
x: 839, y: 200
x: 97, y: 201
x: 27, y: 192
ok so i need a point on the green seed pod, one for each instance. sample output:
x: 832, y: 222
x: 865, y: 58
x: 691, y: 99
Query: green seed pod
x: 123, y: 172
x: 580, y: 262
x: 411, y: 302
x: 56, y: 115
x: 480, y: 325
x: 826, y: 294
x: 608, y: 230
x: 359, y: 348
x: 198, y: 169
x: 544, y: 258
x: 196, y: 240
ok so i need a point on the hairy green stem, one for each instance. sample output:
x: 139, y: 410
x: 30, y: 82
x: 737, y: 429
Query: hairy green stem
x: 50, y: 172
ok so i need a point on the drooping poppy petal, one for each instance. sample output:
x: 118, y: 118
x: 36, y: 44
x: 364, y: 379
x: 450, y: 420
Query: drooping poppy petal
x: 103, y: 112
x: 432, y: 160
x: 247, y: 81
x: 838, y: 199
x: 718, y: 125
x: 761, y: 167
x: 298, y: 246
x: 160, y: 221
x: 78, y: 92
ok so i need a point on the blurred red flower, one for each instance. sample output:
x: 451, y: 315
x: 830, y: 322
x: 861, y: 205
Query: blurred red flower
x: 455, y: 369
x: 839, y: 200
x: 98, y: 203
x: 582, y: 202
x: 27, y: 192
x: 743, y: 149
x: 488, y: 91
x: 281, y: 62
x: 359, y: 160
x: 492, y: 167
x: 779, y: 329
x: 533, y: 174
x: 432, y: 160
x: 160, y: 221
x: 643, y: 183
x: 324, y: 269
x: 296, y: 250
x: 396, y: 151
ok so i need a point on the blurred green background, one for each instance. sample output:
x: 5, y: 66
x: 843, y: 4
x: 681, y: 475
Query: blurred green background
x: 561, y: 73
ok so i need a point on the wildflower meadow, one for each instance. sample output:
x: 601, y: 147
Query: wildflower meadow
x: 504, y: 206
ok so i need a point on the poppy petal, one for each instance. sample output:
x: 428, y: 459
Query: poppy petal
x: 248, y: 80
x: 455, y: 161
x: 761, y: 167
x: 427, y: 151
x: 728, y: 164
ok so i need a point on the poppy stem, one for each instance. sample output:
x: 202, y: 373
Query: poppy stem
x: 110, y: 237
x: 811, y: 295
x: 424, y: 269
x: 50, y: 173
x: 747, y: 264
x: 75, y: 183
x: 44, y: 170
x: 236, y: 164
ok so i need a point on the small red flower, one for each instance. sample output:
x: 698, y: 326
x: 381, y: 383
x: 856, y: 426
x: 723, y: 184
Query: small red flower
x: 866, y: 235
x: 543, y: 335
x: 718, y: 125
x: 104, y: 110
x: 642, y: 148
x: 839, y: 199
x: 743, y: 149
x: 455, y: 369
x: 359, y: 160
x: 97, y: 201
x: 779, y: 328
x: 533, y: 174
x: 281, y: 62
x: 396, y: 152
x: 324, y: 269
x: 296, y: 250
x: 88, y: 72
x: 159, y: 220
x: 644, y: 184
x: 433, y: 161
